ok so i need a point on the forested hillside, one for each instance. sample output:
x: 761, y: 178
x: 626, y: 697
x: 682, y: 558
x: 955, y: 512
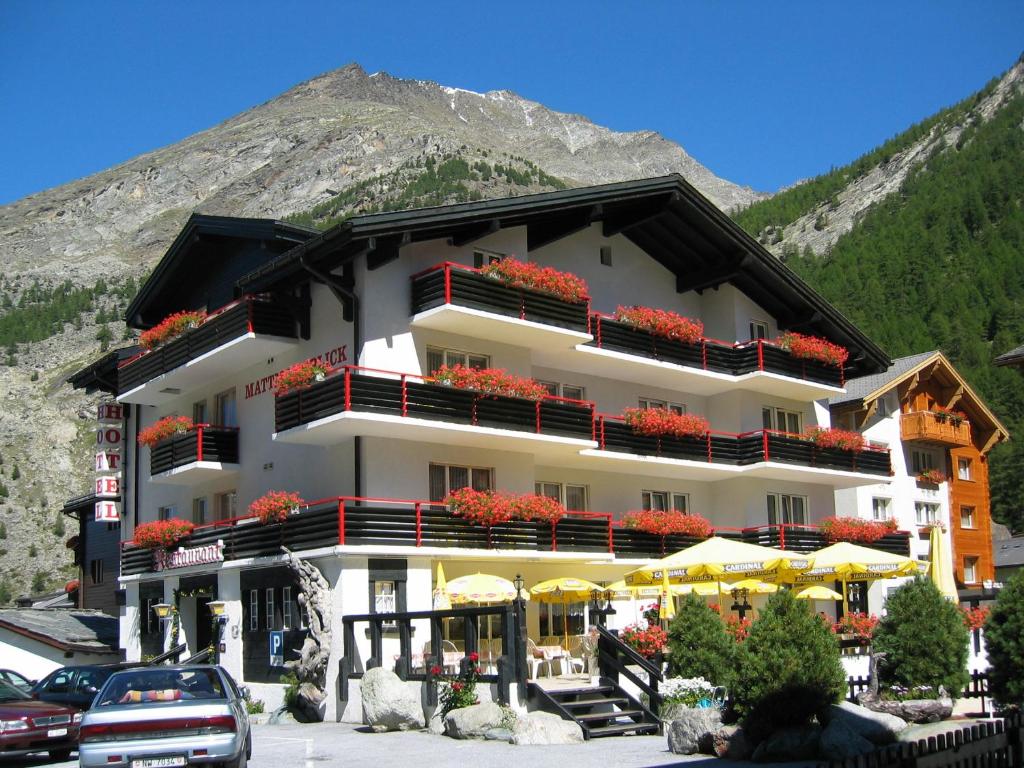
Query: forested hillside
x: 938, y: 264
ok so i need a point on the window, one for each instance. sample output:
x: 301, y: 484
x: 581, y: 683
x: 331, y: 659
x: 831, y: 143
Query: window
x: 254, y: 610
x: 758, y: 329
x: 606, y: 255
x: 785, y: 508
x: 436, y: 357
x: 556, y: 618
x: 286, y: 608
x: 199, y: 414
x: 967, y: 517
x: 270, y: 607
x: 568, y: 391
x: 963, y: 469
x: 96, y: 571
x: 646, y: 402
x: 199, y: 510
x: 782, y: 420
x: 166, y: 513
x: 922, y: 461
x: 926, y: 512
x: 881, y: 508
x: 970, y: 569
x: 445, y: 478
x: 572, y: 497
x: 225, y: 505
x: 662, y: 501
x: 384, y: 597
x: 486, y: 257
x: 227, y: 408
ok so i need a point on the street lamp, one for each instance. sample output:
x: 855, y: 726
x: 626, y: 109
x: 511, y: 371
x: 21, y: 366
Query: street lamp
x: 518, y: 583
x: 162, y: 610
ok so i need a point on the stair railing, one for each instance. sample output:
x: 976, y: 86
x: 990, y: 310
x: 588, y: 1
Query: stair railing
x: 614, y: 658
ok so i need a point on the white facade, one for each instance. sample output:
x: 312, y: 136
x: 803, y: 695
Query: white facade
x: 36, y: 659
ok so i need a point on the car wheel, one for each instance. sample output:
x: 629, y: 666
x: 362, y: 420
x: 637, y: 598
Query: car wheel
x: 60, y: 755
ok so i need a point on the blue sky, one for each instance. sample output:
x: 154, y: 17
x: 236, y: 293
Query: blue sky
x: 763, y: 93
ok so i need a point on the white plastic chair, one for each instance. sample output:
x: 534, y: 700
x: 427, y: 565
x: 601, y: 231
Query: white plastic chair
x: 537, y: 658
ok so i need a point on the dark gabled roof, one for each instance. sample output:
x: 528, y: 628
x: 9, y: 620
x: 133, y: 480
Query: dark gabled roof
x: 864, y: 386
x: 224, y: 226
x: 1013, y: 357
x: 666, y: 217
x: 69, y: 630
x: 101, y: 375
x: 1009, y: 552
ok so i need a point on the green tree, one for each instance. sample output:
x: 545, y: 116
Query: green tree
x: 788, y: 667
x: 15, y: 473
x: 699, y: 644
x: 58, y: 526
x: 39, y: 583
x: 5, y: 592
x: 3, y: 530
x: 103, y: 336
x: 923, y: 638
x: 4, y: 493
x: 32, y: 551
x: 1004, y: 642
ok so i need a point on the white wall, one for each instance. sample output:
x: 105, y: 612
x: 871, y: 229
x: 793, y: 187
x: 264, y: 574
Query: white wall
x: 35, y: 659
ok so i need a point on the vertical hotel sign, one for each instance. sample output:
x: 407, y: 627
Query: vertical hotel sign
x: 109, y: 434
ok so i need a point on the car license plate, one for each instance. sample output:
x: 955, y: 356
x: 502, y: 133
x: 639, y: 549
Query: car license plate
x: 53, y: 733
x: 159, y: 762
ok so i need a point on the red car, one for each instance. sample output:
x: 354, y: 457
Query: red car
x: 27, y: 725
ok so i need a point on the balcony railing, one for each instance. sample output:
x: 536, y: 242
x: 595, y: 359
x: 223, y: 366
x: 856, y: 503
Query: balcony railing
x: 365, y: 390
x: 352, y: 521
x: 206, y: 443
x: 613, y: 434
x: 711, y: 355
x: 456, y: 284
x: 928, y: 427
x: 247, y: 315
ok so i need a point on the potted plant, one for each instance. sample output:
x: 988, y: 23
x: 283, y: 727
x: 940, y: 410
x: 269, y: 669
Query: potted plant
x: 931, y: 476
x: 661, y: 422
x: 162, y: 534
x: 491, y: 381
x: 520, y: 274
x: 668, y: 522
x: 661, y: 322
x: 830, y: 437
x: 300, y: 376
x: 275, y: 506
x: 165, y: 428
x: 171, y: 327
x: 813, y: 348
x: 647, y: 641
x: 856, y: 530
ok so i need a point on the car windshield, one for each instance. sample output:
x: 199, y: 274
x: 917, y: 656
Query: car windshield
x: 144, y: 685
x: 9, y: 693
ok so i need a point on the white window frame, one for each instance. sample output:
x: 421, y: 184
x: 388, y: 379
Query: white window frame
x: 254, y: 610
x: 971, y: 516
x: 674, y: 501
x: 927, y: 512
x: 166, y: 513
x: 778, y: 419
x: 886, y: 508
x: 964, y: 469
x: 561, y: 492
x: 568, y: 391
x: 472, y: 473
x: 650, y: 403
x: 971, y: 569
x: 270, y: 608
x: 759, y: 325
x: 483, y: 257
x: 783, y: 503
x: 199, y: 517
x: 922, y: 461
x: 219, y: 501
x: 286, y: 608
x: 452, y: 357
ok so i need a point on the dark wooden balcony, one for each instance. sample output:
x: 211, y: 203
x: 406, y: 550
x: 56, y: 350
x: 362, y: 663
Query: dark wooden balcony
x: 354, y: 390
x: 264, y: 321
x: 809, y: 538
x: 206, y: 449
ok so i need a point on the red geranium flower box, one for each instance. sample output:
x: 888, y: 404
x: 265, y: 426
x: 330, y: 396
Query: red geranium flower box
x: 275, y: 506
x: 164, y: 428
x: 492, y: 381
x: 300, y: 376
x: 160, y: 534
x: 844, y: 440
x: 856, y: 530
x: 171, y: 327
x: 813, y: 348
x: 646, y: 641
x: 661, y: 422
x: 522, y: 274
x: 490, y: 508
x: 667, y: 523
x: 662, y: 322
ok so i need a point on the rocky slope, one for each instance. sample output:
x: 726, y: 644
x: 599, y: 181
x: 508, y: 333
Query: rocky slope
x: 346, y: 140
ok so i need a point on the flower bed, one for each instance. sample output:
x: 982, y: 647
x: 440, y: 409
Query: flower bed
x: 942, y: 415
x: 667, y: 523
x: 522, y: 274
x: 300, y: 376
x: 828, y: 437
x: 160, y: 534
x: 661, y: 422
x: 855, y: 530
x: 493, y: 381
x: 164, y: 428
x: 813, y: 348
x: 932, y: 476
x: 646, y: 641
x: 490, y: 508
x: 686, y: 691
x: 171, y: 327
x: 662, y: 322
x: 275, y: 506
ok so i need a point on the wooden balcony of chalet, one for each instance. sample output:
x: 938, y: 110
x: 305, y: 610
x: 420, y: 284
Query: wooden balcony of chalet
x: 203, y: 453
x: 233, y: 337
x: 935, y: 429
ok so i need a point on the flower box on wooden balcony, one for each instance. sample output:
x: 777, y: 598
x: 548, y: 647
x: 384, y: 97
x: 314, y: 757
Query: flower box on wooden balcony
x: 231, y: 338
x: 935, y: 429
x: 196, y: 456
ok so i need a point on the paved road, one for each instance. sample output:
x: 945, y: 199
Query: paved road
x: 331, y: 744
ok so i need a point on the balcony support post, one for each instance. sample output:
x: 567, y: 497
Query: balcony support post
x: 419, y: 524
x: 536, y: 406
x: 199, y: 443
x: 348, y: 388
x: 764, y: 445
x: 447, y: 283
x: 405, y: 396
x: 341, y: 522
x: 760, y: 354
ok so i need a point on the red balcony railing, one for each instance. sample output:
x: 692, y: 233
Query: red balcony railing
x: 206, y: 442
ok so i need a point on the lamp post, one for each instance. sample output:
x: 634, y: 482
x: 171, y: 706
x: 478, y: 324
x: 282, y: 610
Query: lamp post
x: 520, y: 633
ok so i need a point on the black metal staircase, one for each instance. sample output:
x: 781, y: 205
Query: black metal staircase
x: 601, y: 710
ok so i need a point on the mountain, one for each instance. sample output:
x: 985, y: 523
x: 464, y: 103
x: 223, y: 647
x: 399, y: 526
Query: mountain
x: 343, y: 142
x: 921, y: 243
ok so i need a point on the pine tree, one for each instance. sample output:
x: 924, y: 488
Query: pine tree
x: 39, y: 583
x: 103, y: 336
x: 923, y: 638
x: 1004, y: 642
x: 788, y: 668
x: 699, y: 645
x: 5, y: 592
x: 58, y: 526
x: 15, y: 473
x: 32, y: 551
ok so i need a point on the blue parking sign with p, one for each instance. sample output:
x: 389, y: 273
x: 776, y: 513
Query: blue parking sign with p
x: 277, y: 649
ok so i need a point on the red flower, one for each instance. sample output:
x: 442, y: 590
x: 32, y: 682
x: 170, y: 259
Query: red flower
x: 934, y: 476
x: 457, y: 686
x: 530, y: 506
x: 71, y: 586
x: 160, y: 534
x: 661, y: 422
x: 844, y: 440
x: 436, y: 670
x: 855, y: 529
x: 662, y: 322
x: 473, y: 657
x: 667, y: 523
x: 164, y: 428
x: 275, y: 506
x: 813, y: 348
x: 490, y: 508
x: 493, y: 381
x: 737, y: 627
x: 521, y: 274
x: 974, y: 618
x: 646, y: 641
x: 299, y: 376
x: 171, y: 327
x: 860, y: 624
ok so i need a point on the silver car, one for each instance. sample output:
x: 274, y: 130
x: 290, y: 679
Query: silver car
x: 166, y: 717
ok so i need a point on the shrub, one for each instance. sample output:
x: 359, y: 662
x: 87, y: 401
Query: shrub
x: 58, y: 526
x: 788, y: 667
x: 856, y: 530
x: 661, y: 322
x: 844, y: 440
x: 813, y: 348
x: 1004, y: 641
x: 520, y: 274
x: 164, y: 428
x: 699, y: 645
x: 275, y: 506
x: 32, y: 551
x: 171, y: 327
x: 923, y: 638
x: 300, y: 376
x: 493, y: 381
x: 15, y: 473
x: 684, y: 692
x: 661, y: 422
x: 459, y: 691
x: 160, y: 534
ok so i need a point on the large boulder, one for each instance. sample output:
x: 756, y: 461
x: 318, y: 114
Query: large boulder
x: 388, y: 704
x: 877, y: 727
x: 912, y: 710
x: 731, y: 742
x: 691, y: 730
x: 800, y: 743
x: 545, y: 728
x: 839, y: 741
x: 474, y: 721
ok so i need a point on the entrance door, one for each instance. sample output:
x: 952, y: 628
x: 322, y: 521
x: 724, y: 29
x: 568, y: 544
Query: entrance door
x: 204, y: 624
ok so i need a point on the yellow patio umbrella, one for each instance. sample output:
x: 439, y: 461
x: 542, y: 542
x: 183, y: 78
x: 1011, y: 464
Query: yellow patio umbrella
x: 940, y: 569
x: 846, y: 561
x: 564, y: 590
x: 717, y: 558
x: 620, y: 590
x: 753, y: 586
x: 817, y: 592
x: 482, y: 588
x: 667, y: 603
x: 442, y: 600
